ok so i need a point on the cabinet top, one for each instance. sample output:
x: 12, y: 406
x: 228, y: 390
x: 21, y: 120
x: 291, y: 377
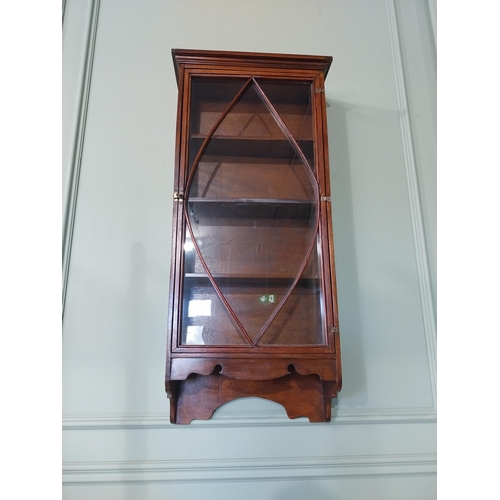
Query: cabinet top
x: 227, y: 58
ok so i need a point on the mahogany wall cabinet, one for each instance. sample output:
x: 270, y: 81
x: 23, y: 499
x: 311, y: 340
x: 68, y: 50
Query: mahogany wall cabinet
x: 253, y: 302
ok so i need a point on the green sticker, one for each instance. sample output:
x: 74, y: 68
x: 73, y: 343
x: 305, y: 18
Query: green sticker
x: 267, y: 299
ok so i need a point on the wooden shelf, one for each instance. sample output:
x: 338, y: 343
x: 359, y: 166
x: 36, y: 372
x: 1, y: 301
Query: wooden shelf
x: 259, y: 208
x: 256, y: 147
x: 252, y: 279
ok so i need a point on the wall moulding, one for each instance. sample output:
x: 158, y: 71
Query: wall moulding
x: 71, y: 197
x: 247, y: 419
x: 261, y: 469
x: 422, y: 262
x: 433, y: 15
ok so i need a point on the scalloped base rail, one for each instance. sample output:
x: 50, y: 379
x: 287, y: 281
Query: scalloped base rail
x: 199, y: 396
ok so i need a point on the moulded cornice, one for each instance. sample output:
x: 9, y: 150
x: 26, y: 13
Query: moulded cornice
x: 226, y: 58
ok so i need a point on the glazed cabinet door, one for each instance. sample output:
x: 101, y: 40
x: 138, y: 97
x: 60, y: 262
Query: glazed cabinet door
x: 252, y: 269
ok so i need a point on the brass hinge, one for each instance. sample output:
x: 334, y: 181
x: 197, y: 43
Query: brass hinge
x: 326, y: 198
x: 320, y: 90
x: 334, y: 329
x: 178, y: 196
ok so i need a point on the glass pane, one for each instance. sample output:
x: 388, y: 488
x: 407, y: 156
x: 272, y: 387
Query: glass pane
x: 299, y: 321
x: 293, y: 103
x: 205, y: 318
x: 210, y: 97
x: 252, y: 209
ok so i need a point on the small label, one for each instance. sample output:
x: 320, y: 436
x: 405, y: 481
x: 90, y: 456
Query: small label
x: 267, y: 299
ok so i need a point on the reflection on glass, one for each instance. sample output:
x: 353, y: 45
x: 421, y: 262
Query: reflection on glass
x: 199, y: 308
x: 252, y: 210
x: 188, y: 246
x: 194, y: 335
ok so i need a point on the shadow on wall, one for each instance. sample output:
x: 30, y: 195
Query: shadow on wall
x: 354, y: 388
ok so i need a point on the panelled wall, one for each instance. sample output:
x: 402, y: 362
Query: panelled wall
x: 119, y: 112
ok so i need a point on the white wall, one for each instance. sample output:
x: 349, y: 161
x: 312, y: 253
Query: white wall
x: 119, y: 129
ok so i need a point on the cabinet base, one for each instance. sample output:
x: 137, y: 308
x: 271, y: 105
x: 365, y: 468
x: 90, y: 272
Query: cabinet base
x: 199, y: 396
